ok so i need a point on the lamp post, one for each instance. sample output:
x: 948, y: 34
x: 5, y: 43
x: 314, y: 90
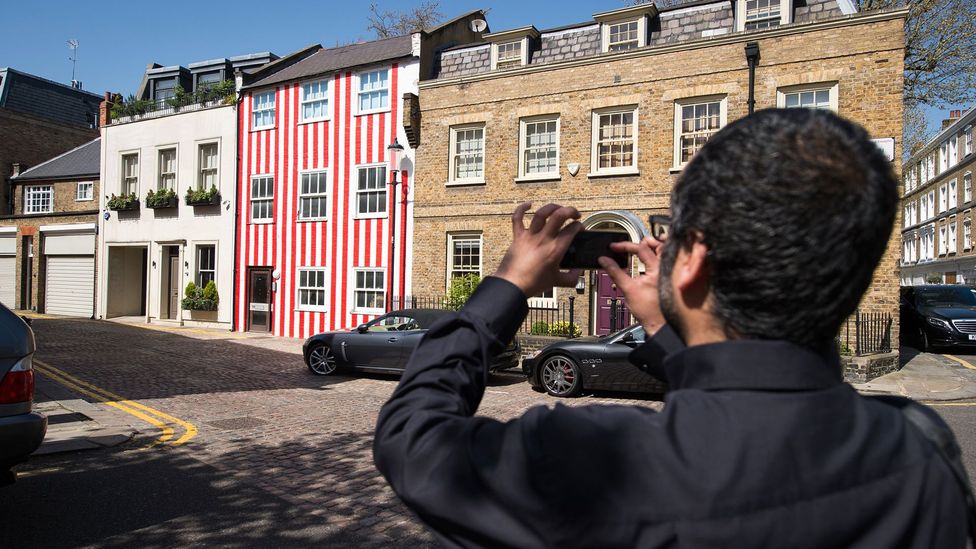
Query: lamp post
x: 580, y: 287
x: 396, y: 152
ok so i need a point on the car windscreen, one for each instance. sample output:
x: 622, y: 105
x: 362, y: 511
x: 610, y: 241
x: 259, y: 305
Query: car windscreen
x: 946, y: 297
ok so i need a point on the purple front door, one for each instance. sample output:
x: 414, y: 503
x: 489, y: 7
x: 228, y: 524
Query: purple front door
x: 611, y: 309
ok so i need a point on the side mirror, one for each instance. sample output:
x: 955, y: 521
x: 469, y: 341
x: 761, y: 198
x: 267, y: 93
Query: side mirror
x: 362, y: 328
x: 628, y: 338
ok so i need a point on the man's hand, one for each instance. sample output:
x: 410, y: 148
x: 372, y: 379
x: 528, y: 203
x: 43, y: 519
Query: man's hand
x: 641, y: 291
x: 532, y: 261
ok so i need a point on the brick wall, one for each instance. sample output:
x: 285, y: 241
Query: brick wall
x: 30, y: 141
x: 865, y: 59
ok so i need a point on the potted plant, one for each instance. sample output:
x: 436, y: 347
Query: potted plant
x: 201, y: 302
x: 124, y: 203
x: 164, y: 198
x: 203, y: 197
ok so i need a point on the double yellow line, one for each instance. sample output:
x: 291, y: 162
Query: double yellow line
x: 163, y: 421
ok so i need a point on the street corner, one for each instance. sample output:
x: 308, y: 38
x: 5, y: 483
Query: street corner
x: 928, y: 377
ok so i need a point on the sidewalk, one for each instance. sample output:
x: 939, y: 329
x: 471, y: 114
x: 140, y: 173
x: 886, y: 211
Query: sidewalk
x: 74, y: 424
x: 926, y: 377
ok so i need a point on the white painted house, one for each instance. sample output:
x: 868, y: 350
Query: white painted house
x: 156, y: 237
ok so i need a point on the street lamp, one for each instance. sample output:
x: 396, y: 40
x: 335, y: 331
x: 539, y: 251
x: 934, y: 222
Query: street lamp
x: 396, y: 153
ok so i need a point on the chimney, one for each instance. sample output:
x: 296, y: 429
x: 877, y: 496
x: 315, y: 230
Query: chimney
x: 953, y: 116
x: 15, y: 169
x: 105, y: 111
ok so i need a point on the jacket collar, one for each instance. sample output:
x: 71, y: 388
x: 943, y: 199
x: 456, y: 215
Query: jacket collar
x: 752, y: 365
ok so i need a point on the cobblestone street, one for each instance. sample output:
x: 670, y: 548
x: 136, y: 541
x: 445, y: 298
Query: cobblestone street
x: 266, y: 425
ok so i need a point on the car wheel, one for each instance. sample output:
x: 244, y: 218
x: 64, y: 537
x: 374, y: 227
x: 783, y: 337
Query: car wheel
x: 560, y: 376
x: 321, y: 361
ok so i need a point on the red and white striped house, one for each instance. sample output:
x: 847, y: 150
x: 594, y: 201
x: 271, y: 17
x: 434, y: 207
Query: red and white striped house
x: 325, y: 216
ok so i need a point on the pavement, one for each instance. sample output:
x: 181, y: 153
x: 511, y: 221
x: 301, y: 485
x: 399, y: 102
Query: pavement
x: 75, y: 424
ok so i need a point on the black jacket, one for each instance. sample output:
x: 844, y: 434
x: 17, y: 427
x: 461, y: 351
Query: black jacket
x: 760, y: 443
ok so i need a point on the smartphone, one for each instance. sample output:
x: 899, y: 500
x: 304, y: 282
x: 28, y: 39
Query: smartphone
x: 587, y: 246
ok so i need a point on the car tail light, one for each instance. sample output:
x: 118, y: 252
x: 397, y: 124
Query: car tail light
x: 18, y: 384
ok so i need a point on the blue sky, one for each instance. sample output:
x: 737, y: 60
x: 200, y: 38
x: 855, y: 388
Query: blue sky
x: 118, y: 39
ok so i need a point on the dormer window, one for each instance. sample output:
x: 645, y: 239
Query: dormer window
x: 511, y: 49
x: 625, y: 29
x: 762, y: 14
x: 509, y: 55
x: 164, y: 88
x: 624, y: 36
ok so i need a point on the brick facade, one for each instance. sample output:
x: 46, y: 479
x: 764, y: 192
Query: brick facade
x: 862, y: 54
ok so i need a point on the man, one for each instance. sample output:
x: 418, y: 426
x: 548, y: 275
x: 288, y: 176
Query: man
x: 778, y: 224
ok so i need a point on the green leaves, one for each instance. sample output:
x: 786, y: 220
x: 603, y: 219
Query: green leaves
x: 196, y: 298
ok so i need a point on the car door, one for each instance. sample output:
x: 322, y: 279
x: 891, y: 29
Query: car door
x: 378, y: 344
x: 620, y: 374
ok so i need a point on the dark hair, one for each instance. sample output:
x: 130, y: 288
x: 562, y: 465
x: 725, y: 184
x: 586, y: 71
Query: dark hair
x: 796, y: 207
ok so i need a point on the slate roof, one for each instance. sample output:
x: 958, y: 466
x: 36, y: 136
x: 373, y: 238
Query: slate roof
x: 343, y: 57
x: 43, y: 98
x: 82, y: 161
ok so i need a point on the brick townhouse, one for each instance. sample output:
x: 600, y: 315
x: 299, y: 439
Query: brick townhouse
x: 937, y: 207
x: 603, y: 114
x: 325, y: 212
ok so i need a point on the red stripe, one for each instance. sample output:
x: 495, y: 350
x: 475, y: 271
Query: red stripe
x: 394, y: 103
x: 345, y: 241
x: 405, y: 177
x: 293, y: 214
x: 333, y: 310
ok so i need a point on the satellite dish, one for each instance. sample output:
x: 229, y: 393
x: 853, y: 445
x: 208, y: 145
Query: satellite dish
x: 479, y: 25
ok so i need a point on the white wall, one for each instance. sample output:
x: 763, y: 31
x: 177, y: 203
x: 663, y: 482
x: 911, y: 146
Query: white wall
x: 185, y: 226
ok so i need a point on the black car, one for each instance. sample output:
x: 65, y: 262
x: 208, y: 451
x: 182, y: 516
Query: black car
x: 384, y: 344
x: 568, y: 367
x: 21, y: 429
x: 938, y: 315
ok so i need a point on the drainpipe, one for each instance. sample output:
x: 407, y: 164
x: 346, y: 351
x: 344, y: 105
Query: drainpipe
x: 239, y: 83
x: 752, y: 57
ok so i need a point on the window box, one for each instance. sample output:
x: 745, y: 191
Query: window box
x: 196, y: 298
x: 124, y: 203
x: 165, y: 198
x: 202, y: 197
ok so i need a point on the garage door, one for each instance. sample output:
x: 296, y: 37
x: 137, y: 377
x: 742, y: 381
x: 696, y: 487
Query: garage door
x: 8, y: 280
x: 70, y: 285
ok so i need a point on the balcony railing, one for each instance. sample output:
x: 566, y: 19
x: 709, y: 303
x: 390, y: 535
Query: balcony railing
x: 133, y: 109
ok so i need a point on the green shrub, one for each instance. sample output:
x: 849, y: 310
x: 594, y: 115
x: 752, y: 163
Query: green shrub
x: 200, y: 299
x: 159, y: 198
x: 934, y: 278
x: 539, y: 328
x: 564, y: 329
x: 461, y: 289
x: 194, y: 196
x: 121, y: 202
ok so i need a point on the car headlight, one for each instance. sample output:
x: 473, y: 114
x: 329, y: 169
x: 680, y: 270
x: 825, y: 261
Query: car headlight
x: 531, y: 355
x: 939, y: 323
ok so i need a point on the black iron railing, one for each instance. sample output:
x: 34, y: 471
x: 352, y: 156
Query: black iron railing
x: 555, y: 319
x: 866, y: 334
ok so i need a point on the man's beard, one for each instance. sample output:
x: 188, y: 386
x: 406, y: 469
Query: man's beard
x: 664, y: 292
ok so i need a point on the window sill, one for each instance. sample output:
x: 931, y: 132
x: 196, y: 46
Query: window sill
x: 675, y: 169
x: 367, y: 311
x: 371, y: 216
x: 262, y: 222
x: 379, y: 111
x: 311, y: 219
x: 84, y: 200
x: 464, y: 183
x: 622, y: 173
x: 310, y: 310
x: 553, y: 177
x: 314, y: 121
x: 262, y: 128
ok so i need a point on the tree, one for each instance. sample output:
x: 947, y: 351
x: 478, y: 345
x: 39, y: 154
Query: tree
x: 390, y: 23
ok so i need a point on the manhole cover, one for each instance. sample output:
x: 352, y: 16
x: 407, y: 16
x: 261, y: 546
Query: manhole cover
x: 66, y: 418
x: 237, y: 423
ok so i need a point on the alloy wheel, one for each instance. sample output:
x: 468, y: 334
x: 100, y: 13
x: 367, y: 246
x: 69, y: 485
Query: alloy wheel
x: 321, y: 361
x: 560, y: 376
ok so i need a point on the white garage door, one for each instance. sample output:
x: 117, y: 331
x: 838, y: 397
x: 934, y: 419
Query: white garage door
x: 70, y: 285
x: 8, y: 280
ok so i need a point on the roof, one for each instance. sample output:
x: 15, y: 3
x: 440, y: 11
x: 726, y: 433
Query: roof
x: 330, y: 60
x: 46, y: 99
x: 81, y: 161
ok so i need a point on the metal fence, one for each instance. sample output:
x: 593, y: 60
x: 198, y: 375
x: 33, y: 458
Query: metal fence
x: 556, y: 320
x: 871, y: 334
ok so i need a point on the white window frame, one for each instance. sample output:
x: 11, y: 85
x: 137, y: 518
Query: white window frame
x: 605, y: 33
x: 523, y: 58
x: 723, y: 101
x: 953, y: 151
x: 42, y: 190
x: 299, y: 287
x: 452, y: 155
x: 968, y: 141
x: 200, y: 176
x: 953, y: 194
x: 356, y: 309
x: 943, y: 198
x: 464, y: 236
x: 126, y: 180
x: 967, y: 234
x: 952, y: 243
x: 523, y: 140
x: 86, y: 196
x: 967, y: 187
x: 544, y: 302
x: 944, y: 156
x: 830, y: 87
x: 302, y: 195
x: 160, y: 174
x: 266, y: 107
x: 251, y: 200
x: 196, y: 259
x: 384, y: 189
x: 595, y: 169
x: 360, y: 91
x: 943, y: 239
x: 327, y: 100
x: 931, y: 211
x: 785, y: 14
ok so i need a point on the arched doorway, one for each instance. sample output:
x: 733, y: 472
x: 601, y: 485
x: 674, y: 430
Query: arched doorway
x: 608, y: 309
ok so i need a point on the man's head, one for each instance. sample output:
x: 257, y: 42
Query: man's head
x: 778, y: 225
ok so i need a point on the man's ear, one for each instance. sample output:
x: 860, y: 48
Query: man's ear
x: 691, y: 266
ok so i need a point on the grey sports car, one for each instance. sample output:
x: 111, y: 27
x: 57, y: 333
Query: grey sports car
x: 566, y: 368
x: 384, y: 344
